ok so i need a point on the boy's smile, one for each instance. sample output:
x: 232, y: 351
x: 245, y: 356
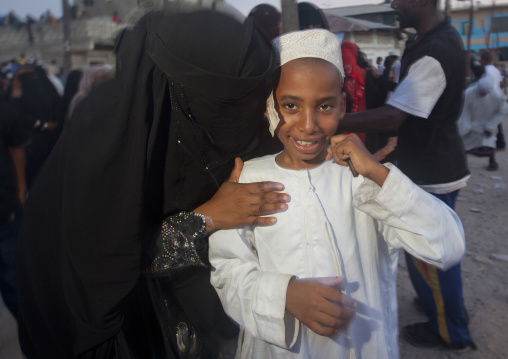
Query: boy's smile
x: 310, y: 103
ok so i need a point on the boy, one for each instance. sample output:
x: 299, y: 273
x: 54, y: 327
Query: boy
x: 321, y: 283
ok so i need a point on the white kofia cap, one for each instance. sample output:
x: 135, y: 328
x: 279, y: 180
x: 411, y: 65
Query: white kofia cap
x: 393, y: 53
x: 316, y: 43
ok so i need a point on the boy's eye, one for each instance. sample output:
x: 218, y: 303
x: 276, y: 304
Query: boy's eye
x: 289, y: 106
x: 325, y: 107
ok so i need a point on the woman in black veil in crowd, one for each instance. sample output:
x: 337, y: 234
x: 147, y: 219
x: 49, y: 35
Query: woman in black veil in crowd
x: 267, y: 20
x: 120, y: 213
x: 40, y: 107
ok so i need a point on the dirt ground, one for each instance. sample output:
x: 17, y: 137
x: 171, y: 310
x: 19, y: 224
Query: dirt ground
x: 483, y: 209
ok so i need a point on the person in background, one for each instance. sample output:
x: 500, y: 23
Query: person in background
x: 71, y: 88
x: 40, y: 108
x: 52, y: 71
x: 379, y: 64
x: 389, y: 75
x: 13, y: 137
x: 311, y: 16
x: 354, y: 81
x: 484, y: 109
x: 92, y: 77
x: 267, y: 20
x: 424, y: 109
x: 116, y: 18
x: 487, y: 60
x: 382, y: 145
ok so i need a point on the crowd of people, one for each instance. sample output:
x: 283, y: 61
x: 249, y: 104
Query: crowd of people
x: 34, y: 105
x: 16, y: 22
x: 226, y: 190
x: 33, y: 25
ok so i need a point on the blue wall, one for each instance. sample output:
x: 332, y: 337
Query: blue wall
x: 478, y: 33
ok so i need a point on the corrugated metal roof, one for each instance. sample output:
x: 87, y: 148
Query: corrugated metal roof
x: 344, y: 24
x: 349, y: 24
x: 373, y: 25
x: 358, y: 10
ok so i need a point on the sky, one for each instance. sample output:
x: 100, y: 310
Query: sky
x: 37, y: 7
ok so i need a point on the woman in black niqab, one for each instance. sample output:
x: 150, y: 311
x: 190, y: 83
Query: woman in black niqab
x: 160, y: 138
x: 40, y: 106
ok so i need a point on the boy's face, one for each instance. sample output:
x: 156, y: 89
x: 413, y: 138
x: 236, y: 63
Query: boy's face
x: 310, y: 104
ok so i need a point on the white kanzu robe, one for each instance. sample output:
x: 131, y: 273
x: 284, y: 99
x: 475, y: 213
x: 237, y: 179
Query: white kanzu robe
x: 481, y: 114
x: 335, y: 225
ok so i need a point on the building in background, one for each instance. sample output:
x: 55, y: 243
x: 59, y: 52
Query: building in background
x: 372, y: 27
x: 489, y: 28
x: 92, y: 31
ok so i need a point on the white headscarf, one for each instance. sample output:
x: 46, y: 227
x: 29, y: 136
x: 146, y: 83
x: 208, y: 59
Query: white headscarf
x: 315, y: 43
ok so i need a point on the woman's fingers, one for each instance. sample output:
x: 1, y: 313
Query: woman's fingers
x: 240, y: 204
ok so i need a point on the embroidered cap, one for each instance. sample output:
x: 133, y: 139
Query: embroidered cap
x: 316, y: 43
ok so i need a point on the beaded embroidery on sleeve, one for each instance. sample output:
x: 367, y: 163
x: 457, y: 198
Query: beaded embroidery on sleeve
x: 181, y: 236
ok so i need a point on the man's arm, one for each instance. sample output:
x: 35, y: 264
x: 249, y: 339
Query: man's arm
x: 417, y: 95
x: 382, y: 119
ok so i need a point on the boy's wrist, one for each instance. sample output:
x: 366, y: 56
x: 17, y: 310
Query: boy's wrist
x: 379, y: 174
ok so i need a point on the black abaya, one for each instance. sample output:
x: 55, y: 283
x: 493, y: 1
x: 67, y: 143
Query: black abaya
x: 187, y: 98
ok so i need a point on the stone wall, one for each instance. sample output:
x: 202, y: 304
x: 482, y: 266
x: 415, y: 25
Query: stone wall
x: 47, y: 44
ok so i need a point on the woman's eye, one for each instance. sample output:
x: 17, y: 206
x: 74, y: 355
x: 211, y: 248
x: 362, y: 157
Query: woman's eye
x: 325, y: 107
x: 290, y: 106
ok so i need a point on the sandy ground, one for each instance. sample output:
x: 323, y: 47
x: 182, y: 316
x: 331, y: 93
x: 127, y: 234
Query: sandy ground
x: 484, y: 277
x: 9, y: 345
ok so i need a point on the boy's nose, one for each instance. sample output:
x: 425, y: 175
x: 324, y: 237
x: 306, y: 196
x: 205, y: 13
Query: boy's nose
x: 307, y: 122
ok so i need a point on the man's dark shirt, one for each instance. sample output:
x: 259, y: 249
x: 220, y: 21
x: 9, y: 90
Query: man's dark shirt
x: 431, y: 150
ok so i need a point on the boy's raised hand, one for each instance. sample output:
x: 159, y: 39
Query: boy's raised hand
x: 344, y: 147
x: 320, y: 305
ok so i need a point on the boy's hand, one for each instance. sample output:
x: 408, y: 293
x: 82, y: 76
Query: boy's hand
x: 344, y: 147
x: 320, y: 306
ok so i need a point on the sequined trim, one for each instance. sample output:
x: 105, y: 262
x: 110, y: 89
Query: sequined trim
x: 179, y: 234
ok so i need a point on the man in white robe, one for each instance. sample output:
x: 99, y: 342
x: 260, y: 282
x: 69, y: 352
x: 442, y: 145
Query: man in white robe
x: 484, y: 109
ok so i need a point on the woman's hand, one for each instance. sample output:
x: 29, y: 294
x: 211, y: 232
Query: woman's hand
x: 344, y: 147
x: 241, y: 204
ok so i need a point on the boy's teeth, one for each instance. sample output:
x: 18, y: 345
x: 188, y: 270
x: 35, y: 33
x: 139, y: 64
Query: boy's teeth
x: 304, y: 143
